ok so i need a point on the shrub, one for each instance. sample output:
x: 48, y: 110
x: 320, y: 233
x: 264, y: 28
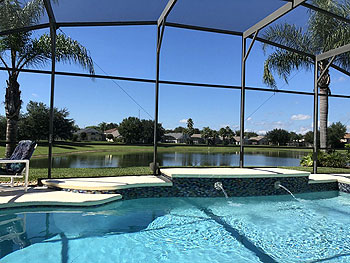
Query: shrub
x: 75, y: 137
x: 306, y: 160
x: 334, y: 159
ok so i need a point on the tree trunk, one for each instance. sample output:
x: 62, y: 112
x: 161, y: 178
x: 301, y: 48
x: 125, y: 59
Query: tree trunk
x: 323, y: 117
x: 12, y: 108
x: 324, y: 91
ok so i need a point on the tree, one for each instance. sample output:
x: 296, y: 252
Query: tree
x: 226, y: 134
x: 83, y: 136
x: 34, y: 124
x: 189, y: 130
x: 131, y: 130
x: 294, y: 137
x: 19, y: 50
x: 309, y: 137
x: 250, y: 134
x: 147, y: 127
x: 336, y: 132
x: 2, y: 127
x: 179, y: 129
x: 209, y: 135
x: 103, y: 126
x: 322, y: 34
x: 278, y: 136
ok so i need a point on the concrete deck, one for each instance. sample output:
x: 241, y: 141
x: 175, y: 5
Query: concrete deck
x: 108, y: 183
x: 231, y: 172
x: 42, y: 196
x: 327, y: 178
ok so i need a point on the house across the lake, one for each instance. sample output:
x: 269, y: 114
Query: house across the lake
x: 113, y: 132
x: 346, y: 138
x: 175, y: 137
x: 258, y: 140
x: 90, y: 134
x: 197, y: 139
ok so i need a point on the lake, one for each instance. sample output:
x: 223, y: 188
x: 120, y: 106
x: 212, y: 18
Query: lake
x: 98, y: 160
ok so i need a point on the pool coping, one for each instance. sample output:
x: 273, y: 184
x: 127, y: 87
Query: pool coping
x: 121, y: 189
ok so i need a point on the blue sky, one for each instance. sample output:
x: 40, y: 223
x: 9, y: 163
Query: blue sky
x: 187, y: 55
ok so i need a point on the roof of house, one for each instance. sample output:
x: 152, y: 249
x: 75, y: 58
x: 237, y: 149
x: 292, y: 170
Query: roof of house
x: 197, y: 135
x: 347, y: 136
x: 257, y: 138
x: 175, y: 135
x: 88, y: 130
x: 110, y: 130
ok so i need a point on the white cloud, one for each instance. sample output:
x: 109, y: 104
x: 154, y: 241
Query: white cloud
x: 300, y: 117
x: 304, y: 130
x: 262, y: 132
x: 183, y: 121
x: 34, y: 95
x: 341, y: 79
x: 249, y: 119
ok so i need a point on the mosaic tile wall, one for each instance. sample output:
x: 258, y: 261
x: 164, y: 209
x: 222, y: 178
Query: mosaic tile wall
x: 204, y: 187
x: 344, y: 187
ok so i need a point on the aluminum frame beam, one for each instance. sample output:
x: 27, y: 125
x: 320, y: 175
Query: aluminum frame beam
x: 53, y: 28
x: 166, y: 12
x: 333, y: 52
x: 323, y: 11
x: 49, y: 11
x: 160, y: 32
x: 273, y: 17
x: 170, y: 82
x: 315, y: 120
x: 242, y: 109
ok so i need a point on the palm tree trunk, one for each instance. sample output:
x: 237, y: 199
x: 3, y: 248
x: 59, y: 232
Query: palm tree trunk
x: 12, y: 108
x: 323, y: 117
x: 324, y: 91
x: 11, y: 136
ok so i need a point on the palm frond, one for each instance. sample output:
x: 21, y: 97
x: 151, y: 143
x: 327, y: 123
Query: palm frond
x: 288, y: 35
x: 15, y: 15
x: 283, y: 63
x: 67, y: 51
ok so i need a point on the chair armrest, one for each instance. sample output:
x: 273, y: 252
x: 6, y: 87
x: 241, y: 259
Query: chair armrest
x: 14, y: 161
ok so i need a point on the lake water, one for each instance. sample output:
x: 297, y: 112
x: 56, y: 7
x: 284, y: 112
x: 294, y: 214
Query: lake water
x: 98, y: 160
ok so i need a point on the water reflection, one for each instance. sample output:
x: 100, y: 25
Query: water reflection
x: 267, y: 158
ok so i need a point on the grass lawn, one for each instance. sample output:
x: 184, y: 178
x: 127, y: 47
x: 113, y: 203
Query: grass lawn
x: 42, y: 151
x: 321, y: 170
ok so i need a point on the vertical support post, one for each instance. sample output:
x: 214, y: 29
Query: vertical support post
x: 53, y: 69
x: 155, y: 143
x: 315, y: 116
x: 241, y: 152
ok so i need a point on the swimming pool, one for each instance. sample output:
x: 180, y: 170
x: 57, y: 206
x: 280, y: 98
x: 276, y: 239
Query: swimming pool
x: 242, y: 229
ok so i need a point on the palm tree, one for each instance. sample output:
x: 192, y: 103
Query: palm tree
x: 20, y: 50
x: 322, y: 33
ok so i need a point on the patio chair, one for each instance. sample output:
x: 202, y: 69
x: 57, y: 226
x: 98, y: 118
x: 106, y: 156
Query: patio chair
x: 18, y: 163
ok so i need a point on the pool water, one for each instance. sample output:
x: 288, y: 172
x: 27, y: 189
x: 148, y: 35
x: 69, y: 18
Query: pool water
x: 316, y: 228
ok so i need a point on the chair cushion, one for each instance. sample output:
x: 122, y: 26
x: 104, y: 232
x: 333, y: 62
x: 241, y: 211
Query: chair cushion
x: 23, y: 151
x: 3, y: 171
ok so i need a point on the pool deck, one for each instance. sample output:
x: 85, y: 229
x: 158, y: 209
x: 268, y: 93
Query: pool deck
x: 11, y: 197
x: 51, y: 195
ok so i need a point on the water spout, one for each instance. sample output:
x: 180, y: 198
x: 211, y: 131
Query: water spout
x: 218, y: 186
x: 278, y: 185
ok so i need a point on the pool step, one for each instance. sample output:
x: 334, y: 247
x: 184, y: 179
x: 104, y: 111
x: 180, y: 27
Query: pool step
x: 105, y: 184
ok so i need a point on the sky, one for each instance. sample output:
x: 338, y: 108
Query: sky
x: 186, y: 55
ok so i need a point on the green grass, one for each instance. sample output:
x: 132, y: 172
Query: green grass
x: 42, y: 151
x: 321, y: 170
